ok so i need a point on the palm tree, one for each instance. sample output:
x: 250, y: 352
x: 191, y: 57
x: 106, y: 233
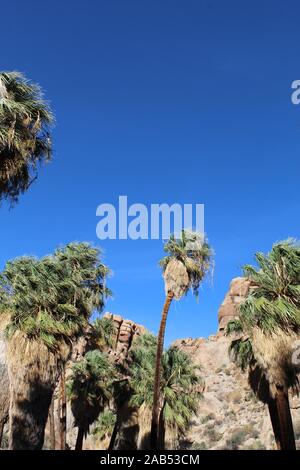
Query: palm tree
x: 104, y: 425
x: 49, y: 301
x: 90, y: 391
x: 268, y: 326
x: 103, y: 333
x: 25, y: 121
x: 184, y: 268
x: 181, y: 388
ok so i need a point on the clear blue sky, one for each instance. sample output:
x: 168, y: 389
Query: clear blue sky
x: 164, y: 101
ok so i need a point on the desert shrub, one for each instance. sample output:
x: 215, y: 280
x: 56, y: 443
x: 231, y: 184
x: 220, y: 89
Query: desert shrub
x: 257, y: 445
x: 199, y: 446
x: 207, y: 418
x: 211, y: 433
x: 230, y: 414
x: 237, y: 437
x: 251, y: 431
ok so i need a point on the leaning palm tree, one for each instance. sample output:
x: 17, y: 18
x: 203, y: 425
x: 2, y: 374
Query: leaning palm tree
x: 181, y: 388
x: 49, y: 302
x: 25, y: 122
x: 89, y: 390
x: 184, y: 268
x: 269, y: 325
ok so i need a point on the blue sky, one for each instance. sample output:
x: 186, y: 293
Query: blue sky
x: 163, y: 101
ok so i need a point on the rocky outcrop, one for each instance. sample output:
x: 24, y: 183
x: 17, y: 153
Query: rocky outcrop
x: 126, y: 332
x: 239, y: 288
x: 229, y: 415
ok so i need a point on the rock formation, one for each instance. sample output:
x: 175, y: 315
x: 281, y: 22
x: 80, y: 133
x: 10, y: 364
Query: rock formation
x: 239, y: 288
x: 126, y: 333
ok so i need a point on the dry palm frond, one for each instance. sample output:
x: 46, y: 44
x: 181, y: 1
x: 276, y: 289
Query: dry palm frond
x: 273, y: 353
x: 176, y: 278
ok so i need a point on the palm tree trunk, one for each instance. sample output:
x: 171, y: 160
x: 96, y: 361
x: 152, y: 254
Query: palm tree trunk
x: 273, y: 412
x: 159, y: 353
x: 1, y: 431
x: 52, y: 425
x: 113, y: 437
x: 79, y: 440
x: 28, y: 415
x: 287, y: 437
x: 63, y: 415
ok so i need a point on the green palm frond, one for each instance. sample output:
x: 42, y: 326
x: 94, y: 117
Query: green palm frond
x: 53, y: 297
x: 25, y: 123
x: 275, y: 299
x: 179, y: 385
x: 90, y: 387
x: 104, y: 332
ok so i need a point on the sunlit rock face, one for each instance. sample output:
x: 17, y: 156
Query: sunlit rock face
x: 126, y: 333
x: 238, y: 290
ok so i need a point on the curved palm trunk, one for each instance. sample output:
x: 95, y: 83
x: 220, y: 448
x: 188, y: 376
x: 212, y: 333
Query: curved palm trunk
x: 287, y: 437
x: 80, y: 437
x: 273, y: 412
x: 159, y: 353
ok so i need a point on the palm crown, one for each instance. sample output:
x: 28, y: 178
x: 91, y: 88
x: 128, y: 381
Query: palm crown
x: 179, y: 385
x: 188, y: 261
x: 52, y: 298
x: 89, y: 388
x: 275, y: 298
x: 25, y: 121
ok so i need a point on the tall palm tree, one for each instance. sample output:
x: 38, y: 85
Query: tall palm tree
x: 49, y: 301
x: 184, y: 268
x: 269, y: 325
x: 90, y: 391
x: 181, y: 388
x: 25, y: 122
